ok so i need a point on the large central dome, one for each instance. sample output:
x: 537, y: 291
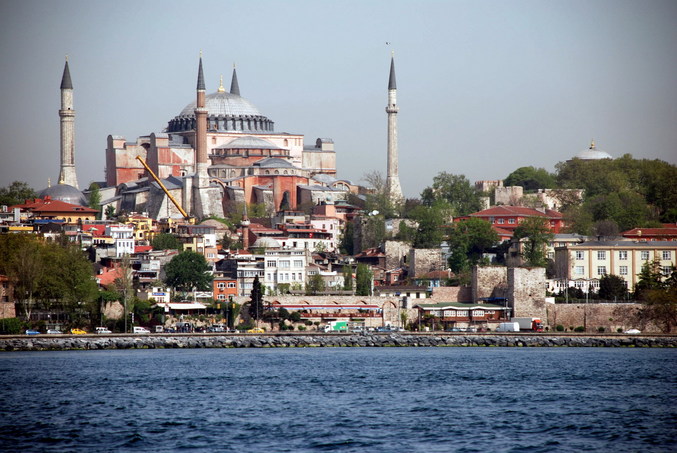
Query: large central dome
x: 222, y: 103
x: 226, y: 112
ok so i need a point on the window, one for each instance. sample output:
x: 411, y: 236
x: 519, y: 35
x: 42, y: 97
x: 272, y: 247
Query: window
x: 270, y: 263
x: 601, y: 255
x: 580, y: 255
x: 601, y: 270
x: 477, y: 313
x: 501, y: 221
x: 284, y: 264
x: 298, y: 263
x: 579, y: 270
x: 667, y: 255
x: 645, y: 255
x: 511, y: 221
x: 221, y: 285
x: 221, y: 297
x: 623, y: 255
x: 666, y: 270
x: 623, y: 270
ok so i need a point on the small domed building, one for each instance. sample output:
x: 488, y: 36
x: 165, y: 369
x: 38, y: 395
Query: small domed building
x: 592, y: 153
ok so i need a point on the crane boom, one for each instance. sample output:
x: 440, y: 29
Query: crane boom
x: 162, y: 186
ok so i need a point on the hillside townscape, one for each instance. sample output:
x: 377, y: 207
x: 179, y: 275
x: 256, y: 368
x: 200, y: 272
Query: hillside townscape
x: 219, y: 223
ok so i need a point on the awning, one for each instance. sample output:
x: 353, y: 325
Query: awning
x: 326, y: 307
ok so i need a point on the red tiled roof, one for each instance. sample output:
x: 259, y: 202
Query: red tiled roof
x: 670, y: 230
x: 521, y: 211
x: 142, y: 248
x: 108, y: 276
x: 40, y: 205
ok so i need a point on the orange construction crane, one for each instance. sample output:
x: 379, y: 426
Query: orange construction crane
x: 162, y: 186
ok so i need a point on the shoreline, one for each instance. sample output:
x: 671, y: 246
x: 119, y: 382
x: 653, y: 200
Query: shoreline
x: 288, y: 340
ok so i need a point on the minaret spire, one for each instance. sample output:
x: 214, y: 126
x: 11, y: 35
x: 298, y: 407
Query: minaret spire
x: 393, y: 188
x: 67, y: 121
x: 234, y: 86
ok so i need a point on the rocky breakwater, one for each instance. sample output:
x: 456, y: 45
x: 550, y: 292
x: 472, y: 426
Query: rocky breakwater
x: 47, y: 343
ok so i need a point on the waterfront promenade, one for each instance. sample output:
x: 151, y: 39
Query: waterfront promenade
x: 284, y: 340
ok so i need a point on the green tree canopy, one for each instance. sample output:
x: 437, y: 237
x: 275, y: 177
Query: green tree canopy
x: 315, y: 284
x: 364, y: 277
x: 166, y: 241
x: 612, y: 287
x: 256, y: 301
x: 188, y: 270
x: 431, y: 220
x: 536, y: 235
x: 455, y: 190
x: 347, y: 278
x: 16, y: 193
x: 468, y: 240
x: 531, y: 179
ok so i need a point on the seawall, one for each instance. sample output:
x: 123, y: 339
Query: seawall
x: 162, y: 341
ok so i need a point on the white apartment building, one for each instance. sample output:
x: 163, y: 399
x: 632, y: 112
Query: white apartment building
x: 284, y: 266
x: 123, y: 235
x: 582, y: 265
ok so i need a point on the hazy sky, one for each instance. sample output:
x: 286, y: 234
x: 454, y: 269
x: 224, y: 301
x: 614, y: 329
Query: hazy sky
x: 484, y: 87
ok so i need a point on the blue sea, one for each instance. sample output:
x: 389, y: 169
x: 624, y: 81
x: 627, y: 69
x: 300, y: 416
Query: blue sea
x: 340, y: 399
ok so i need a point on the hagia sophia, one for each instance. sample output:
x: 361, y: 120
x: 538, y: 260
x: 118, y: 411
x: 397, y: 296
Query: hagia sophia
x: 218, y: 153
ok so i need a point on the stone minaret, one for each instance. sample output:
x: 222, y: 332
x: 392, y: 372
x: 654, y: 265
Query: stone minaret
x: 201, y: 161
x: 67, y: 120
x: 393, y: 188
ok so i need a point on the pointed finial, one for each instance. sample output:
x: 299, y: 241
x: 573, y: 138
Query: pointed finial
x: 234, y: 86
x: 200, y: 76
x: 392, y: 54
x: 66, y: 82
x: 49, y: 182
x: 392, y: 84
x: 592, y: 144
x: 221, y: 89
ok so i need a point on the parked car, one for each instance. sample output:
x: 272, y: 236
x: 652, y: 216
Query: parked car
x: 76, y: 331
x: 32, y: 332
x: 633, y: 331
x: 54, y: 332
x: 256, y: 330
x: 103, y: 330
x: 141, y: 330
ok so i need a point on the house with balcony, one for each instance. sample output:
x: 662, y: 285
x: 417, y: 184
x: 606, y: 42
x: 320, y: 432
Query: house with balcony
x: 450, y: 315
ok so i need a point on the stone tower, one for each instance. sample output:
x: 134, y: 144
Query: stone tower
x: 393, y: 188
x: 67, y: 120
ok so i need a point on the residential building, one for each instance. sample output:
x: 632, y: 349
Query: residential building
x: 510, y: 217
x: 224, y: 288
x: 582, y: 265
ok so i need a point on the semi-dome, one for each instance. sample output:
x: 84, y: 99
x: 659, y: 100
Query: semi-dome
x: 65, y: 193
x: 592, y: 153
x: 266, y: 242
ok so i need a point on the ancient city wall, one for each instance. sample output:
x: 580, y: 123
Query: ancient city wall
x: 422, y: 261
x: 526, y: 291
x: 489, y: 281
x: 611, y: 317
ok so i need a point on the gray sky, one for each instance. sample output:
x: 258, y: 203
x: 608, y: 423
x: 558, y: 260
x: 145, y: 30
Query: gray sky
x: 484, y: 87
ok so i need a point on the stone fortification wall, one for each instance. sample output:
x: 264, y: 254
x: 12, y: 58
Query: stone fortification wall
x: 451, y: 294
x: 489, y: 281
x: 526, y: 291
x: 162, y: 341
x: 510, y: 195
x: 611, y: 317
x: 422, y: 261
x: 396, y: 253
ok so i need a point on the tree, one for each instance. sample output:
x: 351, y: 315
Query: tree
x: 537, y: 235
x: 612, y: 287
x: 364, y: 279
x: 95, y: 198
x: 16, y: 193
x: 187, y: 271
x: 315, y: 284
x: 347, y: 278
x: 650, y: 278
x: 455, y: 190
x: 430, y: 219
x: 379, y: 200
x: 25, y: 263
x: 659, y: 299
x: 468, y: 240
x: 531, y: 179
x: 109, y: 212
x: 346, y: 244
x: 166, y: 241
x: 256, y: 301
x: 124, y: 284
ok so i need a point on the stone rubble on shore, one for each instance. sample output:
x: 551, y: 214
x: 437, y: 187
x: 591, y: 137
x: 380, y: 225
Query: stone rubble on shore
x: 331, y: 340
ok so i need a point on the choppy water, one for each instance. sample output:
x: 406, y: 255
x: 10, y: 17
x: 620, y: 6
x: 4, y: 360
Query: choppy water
x: 336, y: 399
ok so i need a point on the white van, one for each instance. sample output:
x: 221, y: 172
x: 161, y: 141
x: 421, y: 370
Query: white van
x: 508, y: 327
x: 140, y: 330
